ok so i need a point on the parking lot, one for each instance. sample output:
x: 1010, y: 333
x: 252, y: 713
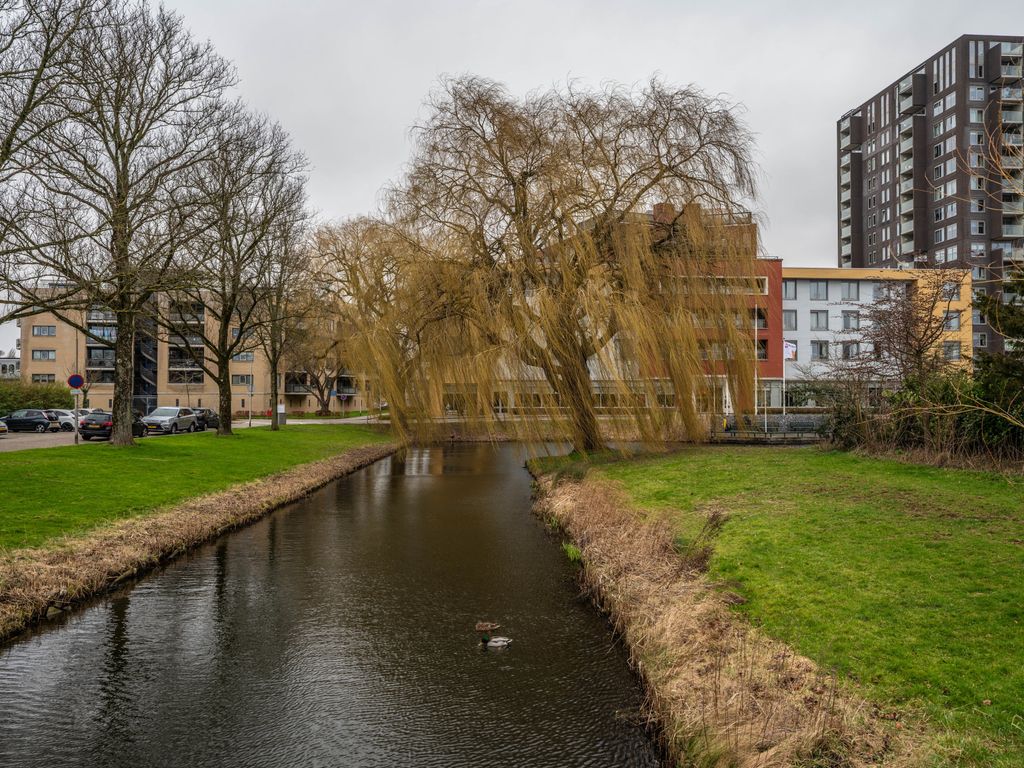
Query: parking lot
x: 22, y: 441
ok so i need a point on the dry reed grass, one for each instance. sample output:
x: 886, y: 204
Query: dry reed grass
x: 722, y: 693
x: 36, y: 582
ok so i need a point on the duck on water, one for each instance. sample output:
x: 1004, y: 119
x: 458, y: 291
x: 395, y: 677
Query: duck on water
x: 488, y: 640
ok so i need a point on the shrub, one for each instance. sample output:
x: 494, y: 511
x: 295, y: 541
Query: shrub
x: 16, y: 394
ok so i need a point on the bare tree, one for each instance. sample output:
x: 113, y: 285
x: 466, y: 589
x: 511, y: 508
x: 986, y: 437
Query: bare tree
x: 36, y: 57
x: 544, y: 264
x: 316, y: 349
x: 249, y: 187
x: 109, y: 181
x: 284, y: 290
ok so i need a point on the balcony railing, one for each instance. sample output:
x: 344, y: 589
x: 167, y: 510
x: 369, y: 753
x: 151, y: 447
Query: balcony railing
x: 846, y: 249
x: 846, y: 233
x: 1011, y: 161
x: 1011, y: 94
x: 907, y: 166
x: 844, y: 179
x: 907, y: 146
x: 1013, y: 207
x: 1013, y: 230
x: 1012, y: 116
x: 907, y: 206
x: 1011, y: 49
x: 906, y: 186
x: 906, y: 247
x: 1013, y: 140
x: 99, y: 316
x: 1010, y: 71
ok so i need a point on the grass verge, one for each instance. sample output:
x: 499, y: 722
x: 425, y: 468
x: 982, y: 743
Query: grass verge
x: 906, y: 580
x: 44, y: 581
x: 69, y: 490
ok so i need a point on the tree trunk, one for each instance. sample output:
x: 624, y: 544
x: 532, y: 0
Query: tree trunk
x: 572, y: 383
x: 224, y: 402
x: 124, y: 379
x: 275, y: 421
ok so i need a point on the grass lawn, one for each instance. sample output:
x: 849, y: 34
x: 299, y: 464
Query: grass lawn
x: 50, y: 492
x: 907, y: 580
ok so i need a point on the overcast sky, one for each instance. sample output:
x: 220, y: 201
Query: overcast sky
x: 347, y: 79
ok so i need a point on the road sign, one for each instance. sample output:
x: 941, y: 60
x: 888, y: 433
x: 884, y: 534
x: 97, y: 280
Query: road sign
x: 75, y: 381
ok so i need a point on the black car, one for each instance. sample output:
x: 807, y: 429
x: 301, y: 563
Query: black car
x: 31, y: 420
x: 101, y: 425
x: 206, y: 418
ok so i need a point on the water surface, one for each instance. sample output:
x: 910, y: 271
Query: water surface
x: 339, y: 631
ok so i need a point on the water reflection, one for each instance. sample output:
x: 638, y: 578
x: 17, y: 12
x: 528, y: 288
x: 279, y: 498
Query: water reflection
x: 339, y: 632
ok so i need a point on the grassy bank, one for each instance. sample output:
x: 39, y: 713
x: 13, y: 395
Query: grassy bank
x: 71, y: 490
x: 907, y: 580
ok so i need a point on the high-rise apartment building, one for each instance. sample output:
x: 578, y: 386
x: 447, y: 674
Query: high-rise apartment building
x: 930, y: 168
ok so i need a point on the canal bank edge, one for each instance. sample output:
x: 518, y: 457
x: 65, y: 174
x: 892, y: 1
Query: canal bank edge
x: 43, y: 582
x: 721, y: 692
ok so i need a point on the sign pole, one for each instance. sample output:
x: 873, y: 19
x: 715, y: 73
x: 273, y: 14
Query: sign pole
x: 76, y: 381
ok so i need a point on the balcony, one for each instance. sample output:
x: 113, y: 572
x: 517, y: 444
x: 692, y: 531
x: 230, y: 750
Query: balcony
x: 1012, y: 186
x: 1007, y: 72
x: 907, y: 247
x: 1011, y: 50
x: 907, y: 187
x: 845, y: 179
x: 1011, y: 161
x: 846, y: 232
x: 909, y: 104
x: 1011, y: 94
x: 1013, y: 256
x: 907, y: 207
x: 906, y: 126
x: 1013, y: 230
x: 907, y: 227
x: 100, y: 316
x: 1013, y: 140
x: 844, y: 161
x: 846, y: 250
x: 845, y: 196
x: 186, y: 318
x: 907, y: 146
x: 1013, y: 207
x: 846, y: 214
x: 906, y: 167
x: 1011, y: 116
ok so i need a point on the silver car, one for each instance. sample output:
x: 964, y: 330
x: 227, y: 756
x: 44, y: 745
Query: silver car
x: 170, y: 420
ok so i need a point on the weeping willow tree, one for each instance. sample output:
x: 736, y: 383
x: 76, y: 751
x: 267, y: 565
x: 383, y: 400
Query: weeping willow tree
x: 531, y: 279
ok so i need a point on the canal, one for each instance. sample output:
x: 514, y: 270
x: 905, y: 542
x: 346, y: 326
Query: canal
x: 339, y: 631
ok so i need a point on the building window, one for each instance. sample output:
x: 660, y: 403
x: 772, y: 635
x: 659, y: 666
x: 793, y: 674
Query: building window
x: 951, y: 254
x: 977, y: 226
x: 851, y: 321
x: 850, y: 290
x: 43, y: 378
x: 241, y: 380
x: 981, y: 339
x: 819, y: 320
x: 244, y: 357
x: 851, y: 350
x: 978, y: 183
x: 951, y: 291
x: 937, y: 171
x: 44, y: 354
x: 940, y: 235
x: 789, y: 290
x: 818, y: 290
x: 819, y: 350
x: 977, y: 205
x: 977, y: 250
x: 977, y: 115
x: 762, y: 349
x: 952, y: 322
x: 44, y: 330
x: 951, y: 350
x: 979, y: 273
x: 976, y: 138
x: 184, y: 377
x: 951, y: 231
x: 977, y: 93
x: 789, y: 319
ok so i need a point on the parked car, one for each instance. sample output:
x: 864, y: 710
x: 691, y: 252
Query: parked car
x: 66, y: 419
x: 171, y: 420
x: 207, y: 418
x: 102, y: 424
x: 31, y: 420
x: 3, y: 428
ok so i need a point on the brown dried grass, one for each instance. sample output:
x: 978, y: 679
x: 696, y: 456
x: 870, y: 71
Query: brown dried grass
x: 38, y: 581
x: 721, y: 692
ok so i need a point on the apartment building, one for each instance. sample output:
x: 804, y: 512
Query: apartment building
x: 166, y: 372
x: 930, y: 168
x: 10, y: 367
x: 823, y: 308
